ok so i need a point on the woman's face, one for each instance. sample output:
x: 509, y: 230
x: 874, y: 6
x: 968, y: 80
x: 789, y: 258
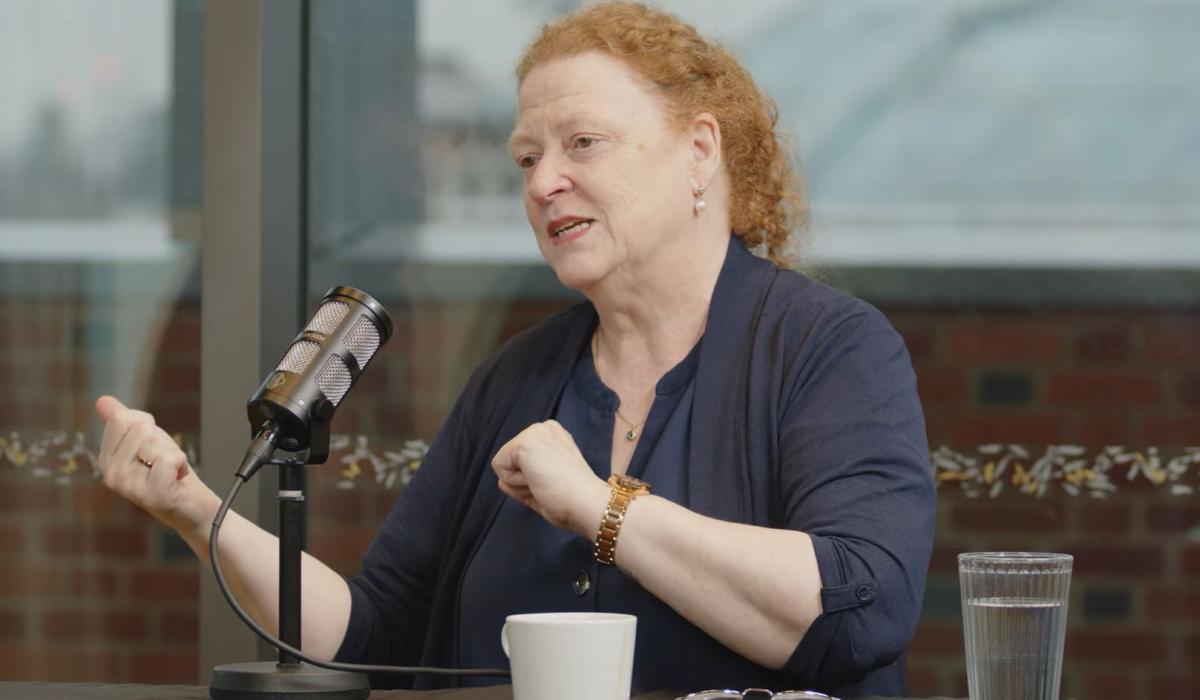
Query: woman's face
x: 608, y: 181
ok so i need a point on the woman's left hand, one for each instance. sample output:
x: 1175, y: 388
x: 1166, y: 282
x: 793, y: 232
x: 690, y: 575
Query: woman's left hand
x: 542, y: 468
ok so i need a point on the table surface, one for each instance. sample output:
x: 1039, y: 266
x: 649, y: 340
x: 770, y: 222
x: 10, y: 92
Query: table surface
x: 117, y: 691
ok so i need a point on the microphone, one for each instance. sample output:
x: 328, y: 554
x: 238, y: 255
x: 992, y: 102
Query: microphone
x: 293, y: 406
x: 291, y: 410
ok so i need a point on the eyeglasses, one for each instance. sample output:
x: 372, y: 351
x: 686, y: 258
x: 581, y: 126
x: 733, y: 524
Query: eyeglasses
x: 756, y: 694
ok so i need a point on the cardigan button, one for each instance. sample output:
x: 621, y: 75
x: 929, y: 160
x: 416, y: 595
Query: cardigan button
x: 582, y: 583
x: 865, y: 592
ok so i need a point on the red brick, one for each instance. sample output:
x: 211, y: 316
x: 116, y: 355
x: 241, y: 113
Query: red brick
x: 183, y: 334
x: 1171, y: 431
x: 12, y: 625
x: 26, y: 663
x: 1003, y: 342
x: 1103, y: 429
x: 176, y: 381
x: 1125, y: 647
x: 67, y: 375
x: 1103, y: 346
x: 127, y: 625
x: 941, y: 384
x: 1105, y: 518
x: 923, y: 681
x: 21, y: 663
x: 1187, y: 389
x: 944, y: 559
x: 1116, y: 560
x: 93, y: 583
x: 921, y: 343
x: 1179, y: 686
x: 1167, y: 603
x: 64, y: 625
x: 341, y: 548
x: 30, y: 415
x: 1118, y: 389
x: 400, y: 417
x: 989, y: 516
x: 1172, y: 346
x: 1108, y: 684
x: 17, y: 582
x: 178, y: 627
x: 165, y: 668
x: 110, y: 541
x: 982, y: 428
x: 343, y: 505
x: 166, y: 585
x: 12, y: 540
x: 1173, y: 517
x: 94, y: 501
x: 934, y: 639
x: 1189, y: 561
x: 18, y: 498
x: 79, y: 666
x: 180, y: 417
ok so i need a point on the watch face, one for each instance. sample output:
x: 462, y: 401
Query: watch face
x: 631, y: 483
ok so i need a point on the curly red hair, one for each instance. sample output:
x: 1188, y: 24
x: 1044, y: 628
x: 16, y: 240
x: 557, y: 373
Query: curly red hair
x: 695, y: 76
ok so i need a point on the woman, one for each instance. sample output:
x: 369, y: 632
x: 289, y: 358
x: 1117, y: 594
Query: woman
x: 788, y: 524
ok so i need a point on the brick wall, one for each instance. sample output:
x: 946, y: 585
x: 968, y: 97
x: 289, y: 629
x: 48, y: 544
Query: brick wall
x: 93, y: 589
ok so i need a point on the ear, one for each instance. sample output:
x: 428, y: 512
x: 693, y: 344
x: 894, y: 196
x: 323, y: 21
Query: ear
x: 705, y: 137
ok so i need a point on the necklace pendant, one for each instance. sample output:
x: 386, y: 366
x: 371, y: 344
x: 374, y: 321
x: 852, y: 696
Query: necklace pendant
x: 631, y: 435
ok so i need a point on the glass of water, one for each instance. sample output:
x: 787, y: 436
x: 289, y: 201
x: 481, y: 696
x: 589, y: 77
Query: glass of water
x: 1014, y: 623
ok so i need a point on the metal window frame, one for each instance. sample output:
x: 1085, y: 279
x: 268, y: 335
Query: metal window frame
x: 253, y: 254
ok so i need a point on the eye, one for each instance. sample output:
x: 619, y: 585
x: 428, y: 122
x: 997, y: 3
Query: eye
x: 527, y: 161
x: 583, y: 142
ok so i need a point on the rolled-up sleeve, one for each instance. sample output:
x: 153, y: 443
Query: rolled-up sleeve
x: 855, y: 477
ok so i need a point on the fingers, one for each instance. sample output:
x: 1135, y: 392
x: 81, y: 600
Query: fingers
x: 521, y: 495
x: 135, y: 439
x: 167, y: 466
x: 161, y: 451
x: 127, y: 433
x: 118, y: 423
x: 107, y: 407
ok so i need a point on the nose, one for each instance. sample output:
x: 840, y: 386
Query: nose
x: 548, y: 179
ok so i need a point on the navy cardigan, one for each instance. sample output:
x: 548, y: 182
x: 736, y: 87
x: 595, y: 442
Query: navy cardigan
x: 805, y: 417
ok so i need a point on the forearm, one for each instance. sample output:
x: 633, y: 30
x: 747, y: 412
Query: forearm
x: 250, y: 563
x: 754, y: 589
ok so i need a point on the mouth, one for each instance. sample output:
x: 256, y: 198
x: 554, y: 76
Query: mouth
x: 568, y: 227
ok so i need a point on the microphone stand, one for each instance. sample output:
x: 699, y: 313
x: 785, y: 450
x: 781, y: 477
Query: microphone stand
x: 289, y: 677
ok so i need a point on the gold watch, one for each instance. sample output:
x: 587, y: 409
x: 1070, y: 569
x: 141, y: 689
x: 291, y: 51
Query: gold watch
x: 624, y: 490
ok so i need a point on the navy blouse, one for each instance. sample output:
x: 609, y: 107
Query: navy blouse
x: 527, y: 565
x: 797, y: 410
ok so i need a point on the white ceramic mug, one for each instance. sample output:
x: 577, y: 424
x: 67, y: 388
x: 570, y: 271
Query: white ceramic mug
x: 581, y: 656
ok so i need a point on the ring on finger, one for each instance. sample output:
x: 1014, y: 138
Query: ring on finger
x: 143, y: 460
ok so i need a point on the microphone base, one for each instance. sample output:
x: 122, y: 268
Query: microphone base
x: 268, y: 680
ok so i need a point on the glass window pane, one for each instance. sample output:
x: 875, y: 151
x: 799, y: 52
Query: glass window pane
x: 1014, y: 185
x: 100, y: 203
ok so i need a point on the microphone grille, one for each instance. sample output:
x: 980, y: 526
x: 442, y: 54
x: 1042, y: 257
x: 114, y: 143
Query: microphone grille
x: 363, y: 341
x: 299, y: 356
x: 327, y: 318
x: 334, y: 379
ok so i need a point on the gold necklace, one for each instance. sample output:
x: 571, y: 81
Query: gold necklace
x: 631, y: 434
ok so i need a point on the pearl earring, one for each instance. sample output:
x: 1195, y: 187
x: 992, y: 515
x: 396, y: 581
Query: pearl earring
x: 700, y: 203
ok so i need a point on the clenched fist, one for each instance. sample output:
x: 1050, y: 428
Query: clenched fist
x: 543, y: 468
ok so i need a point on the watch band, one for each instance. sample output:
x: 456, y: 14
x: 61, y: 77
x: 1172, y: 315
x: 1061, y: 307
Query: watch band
x: 624, y: 490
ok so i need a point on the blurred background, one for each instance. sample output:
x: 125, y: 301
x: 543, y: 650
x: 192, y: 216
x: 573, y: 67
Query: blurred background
x: 1016, y: 184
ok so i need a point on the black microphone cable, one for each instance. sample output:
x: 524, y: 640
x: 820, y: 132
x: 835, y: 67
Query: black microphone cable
x: 249, y: 466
